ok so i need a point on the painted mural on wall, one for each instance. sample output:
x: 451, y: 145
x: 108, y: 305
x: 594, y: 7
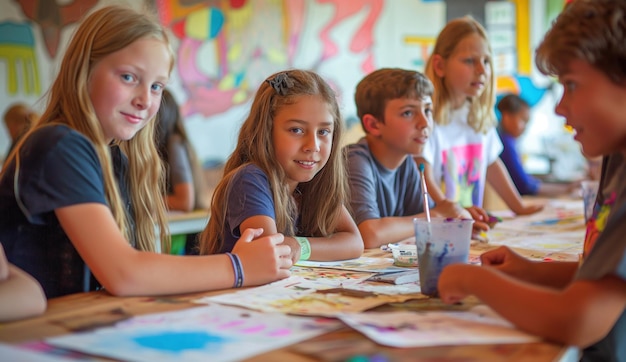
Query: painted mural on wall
x: 228, y: 47
x: 225, y: 48
x: 224, y: 61
x: 17, y: 41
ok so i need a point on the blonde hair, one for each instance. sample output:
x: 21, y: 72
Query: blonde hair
x: 323, y: 196
x: 481, y: 115
x: 106, y: 31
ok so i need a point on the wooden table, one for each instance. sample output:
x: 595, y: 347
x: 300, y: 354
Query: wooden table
x: 88, y: 310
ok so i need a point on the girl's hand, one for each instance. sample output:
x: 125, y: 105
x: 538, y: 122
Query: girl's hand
x: 263, y: 260
x: 296, y: 250
x: 481, y: 218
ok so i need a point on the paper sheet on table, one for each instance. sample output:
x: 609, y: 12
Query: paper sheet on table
x: 364, y: 264
x: 295, y: 295
x: 208, y: 333
x: 480, y: 325
x: 11, y: 353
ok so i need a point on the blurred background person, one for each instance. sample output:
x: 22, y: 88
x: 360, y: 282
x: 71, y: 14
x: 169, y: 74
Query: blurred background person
x: 515, y: 114
x: 18, y: 119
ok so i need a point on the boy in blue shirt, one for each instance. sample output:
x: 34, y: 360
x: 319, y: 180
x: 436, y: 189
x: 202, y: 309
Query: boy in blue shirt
x: 395, y: 109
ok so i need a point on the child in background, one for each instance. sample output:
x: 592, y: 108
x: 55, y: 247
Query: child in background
x: 395, y: 109
x: 183, y: 176
x: 18, y: 118
x: 287, y: 173
x: 515, y: 113
x: 583, y: 306
x: 78, y: 194
x: 462, y: 154
x: 20, y: 294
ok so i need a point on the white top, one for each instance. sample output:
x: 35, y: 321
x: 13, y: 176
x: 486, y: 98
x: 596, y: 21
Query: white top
x: 459, y: 157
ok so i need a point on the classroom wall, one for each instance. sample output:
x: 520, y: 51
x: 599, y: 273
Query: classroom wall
x: 226, y: 48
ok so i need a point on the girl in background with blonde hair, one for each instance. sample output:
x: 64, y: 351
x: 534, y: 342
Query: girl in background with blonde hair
x: 78, y: 196
x: 287, y: 174
x: 462, y: 152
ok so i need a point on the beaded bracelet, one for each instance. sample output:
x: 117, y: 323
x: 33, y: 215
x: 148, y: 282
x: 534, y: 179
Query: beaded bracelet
x: 305, y: 247
x: 234, y: 259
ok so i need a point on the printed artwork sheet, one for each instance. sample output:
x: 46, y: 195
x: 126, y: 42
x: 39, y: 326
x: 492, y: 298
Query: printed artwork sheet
x: 296, y: 295
x: 480, y: 325
x: 208, y: 333
x: 364, y: 264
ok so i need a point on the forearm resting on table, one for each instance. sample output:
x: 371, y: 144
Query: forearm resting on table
x: 377, y: 232
x: 499, y: 179
x: 579, y: 314
x: 339, y: 246
x: 550, y: 274
x: 146, y: 273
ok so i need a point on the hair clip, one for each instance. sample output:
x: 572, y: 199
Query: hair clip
x: 281, y: 83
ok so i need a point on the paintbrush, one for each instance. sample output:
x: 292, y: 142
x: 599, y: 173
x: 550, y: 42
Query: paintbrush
x: 425, y: 191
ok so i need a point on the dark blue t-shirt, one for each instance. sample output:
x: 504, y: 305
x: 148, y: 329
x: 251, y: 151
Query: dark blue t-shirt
x: 525, y: 183
x: 58, y: 167
x: 249, y: 194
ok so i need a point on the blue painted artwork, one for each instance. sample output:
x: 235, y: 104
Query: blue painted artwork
x: 213, y: 332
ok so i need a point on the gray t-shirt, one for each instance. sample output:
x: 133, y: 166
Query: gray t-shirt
x: 608, y: 253
x: 378, y: 192
x: 178, y: 162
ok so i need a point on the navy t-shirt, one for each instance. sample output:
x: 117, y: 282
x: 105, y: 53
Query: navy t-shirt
x: 525, y: 183
x: 58, y: 167
x: 249, y: 194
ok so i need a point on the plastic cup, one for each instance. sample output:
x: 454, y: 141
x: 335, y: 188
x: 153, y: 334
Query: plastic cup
x: 441, y: 242
x: 590, y: 192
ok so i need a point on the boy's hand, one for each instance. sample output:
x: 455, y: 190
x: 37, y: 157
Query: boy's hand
x: 506, y: 260
x: 451, y: 285
x: 447, y: 208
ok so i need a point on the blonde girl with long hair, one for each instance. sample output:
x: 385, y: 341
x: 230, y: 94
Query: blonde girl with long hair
x: 287, y: 173
x: 462, y: 153
x: 78, y: 204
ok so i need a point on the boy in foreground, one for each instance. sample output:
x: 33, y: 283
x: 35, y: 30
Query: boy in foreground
x: 586, y: 49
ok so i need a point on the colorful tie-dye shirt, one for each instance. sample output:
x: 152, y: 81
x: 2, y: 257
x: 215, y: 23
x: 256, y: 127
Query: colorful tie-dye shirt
x: 612, y: 192
x: 459, y: 157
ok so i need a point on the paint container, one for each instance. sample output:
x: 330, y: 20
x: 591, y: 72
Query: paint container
x: 404, y: 255
x: 590, y: 192
x: 441, y: 242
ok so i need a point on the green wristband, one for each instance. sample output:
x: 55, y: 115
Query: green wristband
x: 305, y: 247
